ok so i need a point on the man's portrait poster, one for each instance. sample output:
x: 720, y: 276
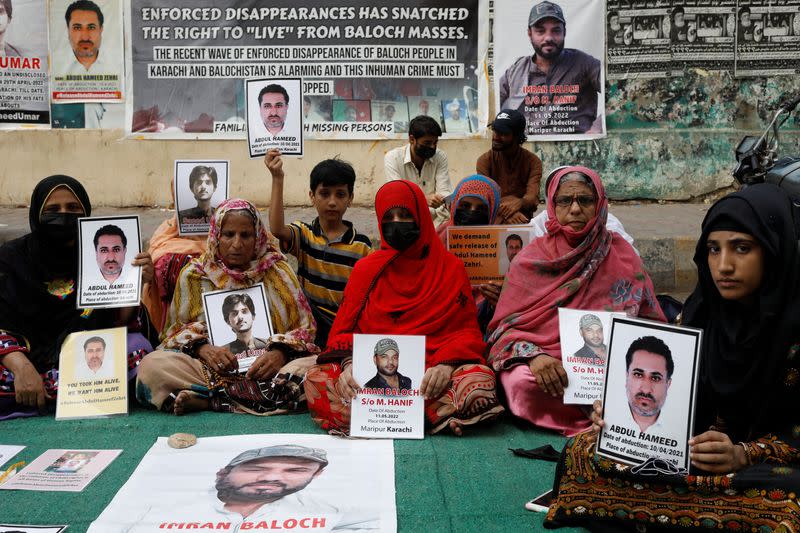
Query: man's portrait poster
x: 86, y: 50
x: 239, y: 319
x: 106, y: 277
x: 200, y: 186
x: 549, y: 65
x: 389, y: 371
x: 650, y: 392
x: 275, y: 115
x: 275, y: 482
x: 509, y: 243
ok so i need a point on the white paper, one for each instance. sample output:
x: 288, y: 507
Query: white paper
x: 200, y: 187
x: 17, y: 528
x: 62, y: 470
x: 7, y: 451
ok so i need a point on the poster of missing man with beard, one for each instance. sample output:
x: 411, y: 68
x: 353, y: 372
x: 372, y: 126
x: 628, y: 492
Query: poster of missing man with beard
x: 239, y: 320
x: 200, y: 186
x: 275, y: 116
x: 549, y: 66
x: 107, y: 277
x: 269, y: 482
x: 389, y: 369
x: 650, y: 393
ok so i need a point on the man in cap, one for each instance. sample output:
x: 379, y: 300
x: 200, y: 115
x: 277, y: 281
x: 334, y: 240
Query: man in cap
x: 591, y: 330
x: 530, y: 78
x: 387, y: 360
x: 516, y: 170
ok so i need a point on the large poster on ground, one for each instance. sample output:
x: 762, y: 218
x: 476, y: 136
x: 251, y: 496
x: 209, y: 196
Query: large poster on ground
x: 548, y: 59
x: 24, y: 85
x: 264, y: 482
x: 367, y: 68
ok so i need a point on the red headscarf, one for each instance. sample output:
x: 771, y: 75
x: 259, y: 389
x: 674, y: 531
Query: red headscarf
x: 423, y: 290
x: 591, y: 269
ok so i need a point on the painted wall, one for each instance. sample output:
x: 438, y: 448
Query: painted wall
x: 668, y: 140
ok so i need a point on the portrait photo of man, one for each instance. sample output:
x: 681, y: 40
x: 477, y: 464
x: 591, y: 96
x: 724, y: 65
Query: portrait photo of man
x: 203, y: 184
x: 110, y: 245
x: 273, y: 104
x: 85, y: 31
x: 94, y: 353
x: 514, y: 245
x: 387, y: 361
x: 552, y: 64
x: 591, y: 330
x: 239, y: 312
x: 6, y: 48
x: 649, y: 368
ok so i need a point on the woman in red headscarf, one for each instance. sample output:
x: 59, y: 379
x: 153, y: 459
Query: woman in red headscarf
x: 411, y: 286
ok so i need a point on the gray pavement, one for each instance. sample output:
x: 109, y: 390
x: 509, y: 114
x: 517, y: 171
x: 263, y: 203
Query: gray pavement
x: 664, y: 233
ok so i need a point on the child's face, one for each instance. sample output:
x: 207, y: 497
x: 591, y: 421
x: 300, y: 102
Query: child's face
x: 331, y: 201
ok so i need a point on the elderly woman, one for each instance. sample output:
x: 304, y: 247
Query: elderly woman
x: 411, y: 286
x: 745, y: 452
x: 38, y: 276
x: 579, y: 264
x: 187, y: 373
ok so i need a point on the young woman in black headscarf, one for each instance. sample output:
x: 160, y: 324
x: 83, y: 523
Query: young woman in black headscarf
x: 745, y: 452
x: 38, y: 278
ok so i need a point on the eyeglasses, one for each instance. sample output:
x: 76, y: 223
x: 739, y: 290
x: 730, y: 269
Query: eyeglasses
x: 584, y: 200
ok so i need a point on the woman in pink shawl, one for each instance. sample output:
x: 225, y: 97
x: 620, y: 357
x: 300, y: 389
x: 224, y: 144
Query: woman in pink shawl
x: 578, y: 264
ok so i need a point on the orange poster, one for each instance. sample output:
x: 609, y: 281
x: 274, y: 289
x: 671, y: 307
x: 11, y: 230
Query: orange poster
x: 487, y: 251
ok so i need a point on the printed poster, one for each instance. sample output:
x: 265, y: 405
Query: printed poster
x: 487, y: 251
x: 767, y: 38
x: 352, y: 55
x: 703, y: 35
x: 389, y: 369
x: 107, y: 246
x: 93, y: 374
x: 87, y: 52
x: 62, y: 470
x: 7, y: 451
x: 275, y: 116
x: 239, y: 319
x: 17, y: 528
x: 290, y: 482
x: 24, y: 84
x: 638, y: 36
x: 650, y: 392
x: 200, y: 187
x: 568, y: 101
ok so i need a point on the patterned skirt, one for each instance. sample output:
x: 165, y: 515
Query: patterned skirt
x: 592, y: 490
x: 470, y: 398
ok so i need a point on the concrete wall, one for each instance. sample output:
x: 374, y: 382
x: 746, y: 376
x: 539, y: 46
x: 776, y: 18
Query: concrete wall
x: 668, y: 140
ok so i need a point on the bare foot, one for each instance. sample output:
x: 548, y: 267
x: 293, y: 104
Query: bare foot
x: 187, y: 402
x: 455, y: 427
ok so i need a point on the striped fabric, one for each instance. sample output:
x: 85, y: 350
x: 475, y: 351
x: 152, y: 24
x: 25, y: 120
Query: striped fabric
x: 324, y: 266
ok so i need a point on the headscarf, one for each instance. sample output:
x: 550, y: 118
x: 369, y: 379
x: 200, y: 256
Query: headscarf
x: 38, y: 279
x: 475, y: 186
x: 590, y: 269
x: 745, y: 348
x: 423, y: 290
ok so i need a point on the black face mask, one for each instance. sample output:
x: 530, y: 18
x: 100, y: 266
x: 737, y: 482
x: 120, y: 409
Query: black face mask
x: 400, y: 235
x: 59, y: 228
x: 471, y: 217
x: 425, y: 152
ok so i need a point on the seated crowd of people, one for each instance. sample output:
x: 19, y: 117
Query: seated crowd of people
x: 488, y: 349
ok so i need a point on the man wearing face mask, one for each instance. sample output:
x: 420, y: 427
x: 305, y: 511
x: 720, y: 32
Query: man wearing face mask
x: 38, y: 274
x: 421, y: 162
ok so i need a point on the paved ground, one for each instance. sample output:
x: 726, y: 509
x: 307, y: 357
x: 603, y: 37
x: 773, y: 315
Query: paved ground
x: 664, y: 233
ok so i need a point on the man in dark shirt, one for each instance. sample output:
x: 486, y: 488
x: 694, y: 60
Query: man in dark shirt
x: 203, y: 183
x: 555, y: 88
x: 239, y: 312
x: 387, y: 360
x: 592, y: 332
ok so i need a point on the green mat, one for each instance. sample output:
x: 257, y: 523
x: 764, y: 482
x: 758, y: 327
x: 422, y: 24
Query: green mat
x: 444, y: 483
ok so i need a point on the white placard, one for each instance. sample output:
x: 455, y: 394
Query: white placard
x: 200, y: 186
x: 275, y: 115
x: 7, y: 451
x: 62, y: 470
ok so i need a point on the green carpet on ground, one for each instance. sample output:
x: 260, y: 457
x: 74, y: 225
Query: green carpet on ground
x: 444, y: 483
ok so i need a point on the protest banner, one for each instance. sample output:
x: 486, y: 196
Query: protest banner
x: 638, y: 36
x: 62, y: 470
x: 351, y: 50
x: 487, y: 251
x: 200, y: 186
x: 93, y: 374
x: 24, y: 84
x: 86, y: 50
x: 565, y: 99
x: 263, y: 482
x: 107, y: 247
x: 650, y: 392
x: 389, y: 369
x: 703, y: 35
x: 239, y: 319
x: 275, y: 116
x: 767, y: 38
